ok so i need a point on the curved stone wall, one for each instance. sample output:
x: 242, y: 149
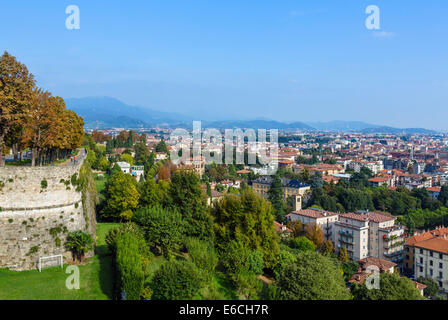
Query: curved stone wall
x: 39, y: 207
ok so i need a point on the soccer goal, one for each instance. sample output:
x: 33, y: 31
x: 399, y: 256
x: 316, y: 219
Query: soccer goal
x: 50, y: 261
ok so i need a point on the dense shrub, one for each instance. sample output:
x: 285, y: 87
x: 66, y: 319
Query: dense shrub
x: 302, y: 244
x: 163, y: 228
x: 284, y: 258
x: 113, y: 234
x: 203, y: 255
x: 176, y: 280
x: 256, y: 262
x: 79, y: 242
x: 131, y: 264
x: 312, y: 276
x: 234, y: 257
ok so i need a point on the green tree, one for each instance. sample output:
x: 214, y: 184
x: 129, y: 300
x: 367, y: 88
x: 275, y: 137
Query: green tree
x: 316, y: 180
x: 349, y: 268
x: 122, y: 195
x: 203, y: 255
x: 312, y: 277
x: 141, y: 153
x: 327, y: 247
x: 248, y: 285
x: 443, y: 196
x: 392, y: 287
x: 162, y: 227
x: 275, y: 196
x: 234, y: 257
x: 302, y: 244
x: 187, y: 197
x: 284, y: 258
x: 113, y: 234
x: 132, y: 261
x: 153, y: 194
x: 256, y: 262
x: 432, y: 288
x: 248, y: 219
x: 79, y: 242
x: 343, y: 255
x: 162, y: 147
x: 127, y: 158
x: 176, y: 280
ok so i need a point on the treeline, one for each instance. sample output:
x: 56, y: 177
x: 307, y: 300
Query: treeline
x: 418, y: 208
x: 31, y: 118
x: 125, y: 139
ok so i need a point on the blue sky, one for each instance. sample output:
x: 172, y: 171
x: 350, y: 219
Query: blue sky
x: 241, y: 59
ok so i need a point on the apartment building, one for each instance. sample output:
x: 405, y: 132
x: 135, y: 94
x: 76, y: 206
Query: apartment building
x: 352, y: 233
x: 325, y: 219
x: 373, y: 234
x: 374, y: 166
x: 431, y: 260
x: 386, y: 240
x: 290, y: 187
x: 410, y: 242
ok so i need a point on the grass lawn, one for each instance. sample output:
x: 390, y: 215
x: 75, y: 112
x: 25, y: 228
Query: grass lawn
x: 100, y: 183
x: 96, y: 278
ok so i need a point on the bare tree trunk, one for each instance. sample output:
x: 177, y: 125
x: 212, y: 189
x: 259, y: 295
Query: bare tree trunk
x: 2, y: 161
x: 15, y: 151
x: 33, y: 157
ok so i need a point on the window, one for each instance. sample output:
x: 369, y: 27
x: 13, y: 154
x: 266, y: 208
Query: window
x: 431, y: 273
x: 440, y: 265
x: 421, y: 260
x: 421, y: 269
x: 440, y: 274
x: 430, y: 263
x: 441, y: 256
x: 430, y: 253
x: 421, y: 251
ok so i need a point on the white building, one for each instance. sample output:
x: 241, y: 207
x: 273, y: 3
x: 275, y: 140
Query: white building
x: 370, y: 234
x: 124, y: 166
x: 431, y: 260
x: 325, y: 219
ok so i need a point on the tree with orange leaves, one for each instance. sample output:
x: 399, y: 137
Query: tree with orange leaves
x: 16, y: 88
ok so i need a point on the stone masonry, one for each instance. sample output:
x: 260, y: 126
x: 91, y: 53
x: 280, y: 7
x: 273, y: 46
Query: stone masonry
x: 38, y: 208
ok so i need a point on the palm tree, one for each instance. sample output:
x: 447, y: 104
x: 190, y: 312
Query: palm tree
x: 79, y: 242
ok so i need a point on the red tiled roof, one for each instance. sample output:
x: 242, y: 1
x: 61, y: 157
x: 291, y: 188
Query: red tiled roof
x: 314, y: 213
x: 439, y: 244
x: 383, y: 265
x: 410, y: 241
x: 279, y: 227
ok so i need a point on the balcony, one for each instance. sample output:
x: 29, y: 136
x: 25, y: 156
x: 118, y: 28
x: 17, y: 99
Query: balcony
x: 393, y: 254
x: 388, y: 245
x: 346, y: 233
x: 345, y: 240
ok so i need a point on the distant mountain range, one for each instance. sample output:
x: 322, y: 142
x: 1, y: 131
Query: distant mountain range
x: 106, y: 112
